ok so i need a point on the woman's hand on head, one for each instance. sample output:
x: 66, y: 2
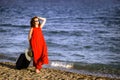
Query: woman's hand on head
x: 43, y: 21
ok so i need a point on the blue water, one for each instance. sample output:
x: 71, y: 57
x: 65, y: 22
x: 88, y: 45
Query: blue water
x: 82, y: 33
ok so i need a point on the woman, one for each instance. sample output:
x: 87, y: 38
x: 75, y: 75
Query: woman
x: 37, y: 43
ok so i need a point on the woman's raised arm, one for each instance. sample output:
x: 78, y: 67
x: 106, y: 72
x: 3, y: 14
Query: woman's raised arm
x: 43, y: 21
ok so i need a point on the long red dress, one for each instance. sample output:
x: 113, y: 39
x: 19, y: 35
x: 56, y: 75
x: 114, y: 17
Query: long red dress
x: 39, y: 48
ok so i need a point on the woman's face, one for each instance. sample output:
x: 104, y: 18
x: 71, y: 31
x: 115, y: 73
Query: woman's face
x: 36, y: 21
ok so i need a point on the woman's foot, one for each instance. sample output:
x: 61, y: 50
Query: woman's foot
x: 37, y: 71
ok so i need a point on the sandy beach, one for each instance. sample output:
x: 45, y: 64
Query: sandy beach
x: 8, y: 72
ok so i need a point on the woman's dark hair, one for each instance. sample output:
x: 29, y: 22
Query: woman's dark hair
x: 32, y: 22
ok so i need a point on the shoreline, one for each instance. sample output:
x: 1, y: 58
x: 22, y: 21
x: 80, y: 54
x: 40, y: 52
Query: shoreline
x: 9, y: 72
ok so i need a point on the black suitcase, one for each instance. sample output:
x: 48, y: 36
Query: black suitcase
x: 22, y: 62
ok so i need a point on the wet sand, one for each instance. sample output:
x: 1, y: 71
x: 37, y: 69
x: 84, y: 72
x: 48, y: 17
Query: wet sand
x: 8, y: 72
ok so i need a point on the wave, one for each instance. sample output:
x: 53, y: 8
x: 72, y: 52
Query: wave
x: 61, y: 64
x: 53, y: 44
x: 78, y: 55
x: 5, y: 57
x: 66, y: 32
x: 56, y: 54
x: 98, y: 69
x: 4, y: 30
x: 12, y: 25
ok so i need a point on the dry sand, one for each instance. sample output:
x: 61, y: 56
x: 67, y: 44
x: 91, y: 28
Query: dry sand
x: 8, y: 72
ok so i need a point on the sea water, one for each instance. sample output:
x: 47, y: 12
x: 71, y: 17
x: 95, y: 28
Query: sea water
x: 80, y: 34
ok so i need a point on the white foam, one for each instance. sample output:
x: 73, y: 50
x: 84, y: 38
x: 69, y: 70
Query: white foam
x: 62, y: 64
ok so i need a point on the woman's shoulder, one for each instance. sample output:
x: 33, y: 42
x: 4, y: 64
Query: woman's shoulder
x: 31, y: 29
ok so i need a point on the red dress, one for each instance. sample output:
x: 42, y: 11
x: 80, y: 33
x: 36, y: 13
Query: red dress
x: 39, y: 48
